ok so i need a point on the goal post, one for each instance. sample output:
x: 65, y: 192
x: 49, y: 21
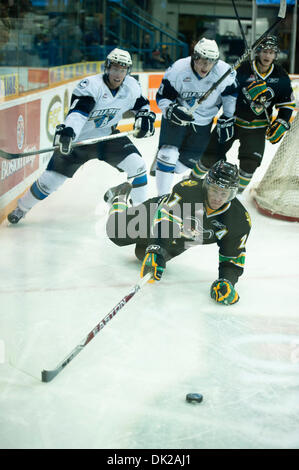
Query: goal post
x: 277, y: 194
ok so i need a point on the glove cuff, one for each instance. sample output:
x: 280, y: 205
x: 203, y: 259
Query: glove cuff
x: 147, y: 113
x: 283, y: 123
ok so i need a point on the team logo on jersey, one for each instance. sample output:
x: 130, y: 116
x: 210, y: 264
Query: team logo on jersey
x: 190, y: 97
x: 187, y: 95
x: 84, y: 83
x: 259, y: 108
x: 102, y: 117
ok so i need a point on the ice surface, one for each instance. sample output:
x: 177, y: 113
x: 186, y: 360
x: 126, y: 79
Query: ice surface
x: 60, y: 276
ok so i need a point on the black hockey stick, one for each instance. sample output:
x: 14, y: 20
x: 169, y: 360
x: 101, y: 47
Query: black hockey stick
x: 48, y: 375
x: 281, y: 16
x: 12, y: 156
x: 247, y: 48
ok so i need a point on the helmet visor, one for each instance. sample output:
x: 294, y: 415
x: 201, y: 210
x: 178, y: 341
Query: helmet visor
x: 202, y: 57
x: 218, y: 194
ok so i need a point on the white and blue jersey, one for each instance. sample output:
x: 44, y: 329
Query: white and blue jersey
x: 184, y: 86
x: 95, y: 109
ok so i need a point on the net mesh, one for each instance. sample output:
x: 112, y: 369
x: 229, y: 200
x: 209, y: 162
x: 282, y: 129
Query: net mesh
x: 277, y: 194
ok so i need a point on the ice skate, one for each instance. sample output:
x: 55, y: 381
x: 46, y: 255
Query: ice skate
x: 122, y: 189
x: 16, y: 215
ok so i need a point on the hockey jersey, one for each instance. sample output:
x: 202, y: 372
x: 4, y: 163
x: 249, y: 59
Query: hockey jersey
x: 181, y: 84
x: 280, y: 95
x: 186, y: 221
x: 95, y: 109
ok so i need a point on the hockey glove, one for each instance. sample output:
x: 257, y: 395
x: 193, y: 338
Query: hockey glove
x: 256, y: 91
x: 64, y: 137
x: 225, y: 128
x: 144, y: 124
x: 223, y: 292
x: 276, y: 131
x: 179, y: 115
x: 153, y: 262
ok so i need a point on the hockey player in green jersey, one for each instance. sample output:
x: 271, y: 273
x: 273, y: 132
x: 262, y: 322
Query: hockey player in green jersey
x: 196, y: 212
x: 263, y: 84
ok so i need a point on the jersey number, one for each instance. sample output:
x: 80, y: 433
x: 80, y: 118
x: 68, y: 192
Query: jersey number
x: 243, y: 242
x: 176, y: 198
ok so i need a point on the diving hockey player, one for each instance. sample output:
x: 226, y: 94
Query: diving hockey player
x: 97, y: 105
x: 196, y: 212
x: 185, y: 131
x: 273, y: 88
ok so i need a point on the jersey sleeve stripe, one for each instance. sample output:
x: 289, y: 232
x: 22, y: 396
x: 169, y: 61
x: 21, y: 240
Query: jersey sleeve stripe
x: 236, y: 260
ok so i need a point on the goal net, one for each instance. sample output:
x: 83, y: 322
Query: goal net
x: 277, y: 195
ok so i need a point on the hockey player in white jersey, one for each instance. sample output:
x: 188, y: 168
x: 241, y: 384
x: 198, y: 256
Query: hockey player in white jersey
x: 185, y: 127
x: 97, y: 105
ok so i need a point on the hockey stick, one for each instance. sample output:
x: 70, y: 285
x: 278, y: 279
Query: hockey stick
x: 11, y: 156
x: 247, y: 48
x: 48, y: 375
x: 281, y: 16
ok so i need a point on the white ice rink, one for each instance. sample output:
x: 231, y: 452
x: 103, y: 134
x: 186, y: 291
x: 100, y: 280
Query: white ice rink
x: 60, y: 276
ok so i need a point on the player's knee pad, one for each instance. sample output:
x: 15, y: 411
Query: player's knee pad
x: 47, y: 183
x: 135, y: 167
x: 167, y: 158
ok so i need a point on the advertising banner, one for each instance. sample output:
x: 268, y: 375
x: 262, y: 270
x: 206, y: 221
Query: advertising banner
x: 154, y: 82
x: 19, y: 132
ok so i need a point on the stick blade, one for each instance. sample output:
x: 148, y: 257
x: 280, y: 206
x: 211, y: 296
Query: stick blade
x: 6, y: 155
x: 48, y: 375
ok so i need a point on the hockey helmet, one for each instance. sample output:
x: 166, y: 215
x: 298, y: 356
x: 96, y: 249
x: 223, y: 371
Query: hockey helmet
x: 119, y: 56
x: 269, y: 42
x: 206, y: 49
x: 223, y: 175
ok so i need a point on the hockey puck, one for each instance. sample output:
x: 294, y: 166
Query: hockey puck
x: 194, y: 397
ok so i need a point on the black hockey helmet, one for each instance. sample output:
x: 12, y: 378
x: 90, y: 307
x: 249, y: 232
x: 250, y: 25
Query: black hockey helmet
x: 223, y: 175
x: 269, y: 42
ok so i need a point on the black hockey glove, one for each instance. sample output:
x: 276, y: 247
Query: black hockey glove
x: 144, y: 124
x: 277, y: 130
x: 223, y: 292
x: 225, y: 128
x: 153, y: 262
x: 64, y: 137
x: 179, y: 115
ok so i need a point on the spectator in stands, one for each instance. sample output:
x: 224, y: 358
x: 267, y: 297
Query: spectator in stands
x: 4, y: 24
x: 46, y: 48
x: 93, y: 39
x: 4, y: 31
x: 147, y: 52
x: 167, y: 61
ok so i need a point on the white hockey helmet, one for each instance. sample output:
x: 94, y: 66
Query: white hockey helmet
x: 119, y: 56
x: 206, y: 49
